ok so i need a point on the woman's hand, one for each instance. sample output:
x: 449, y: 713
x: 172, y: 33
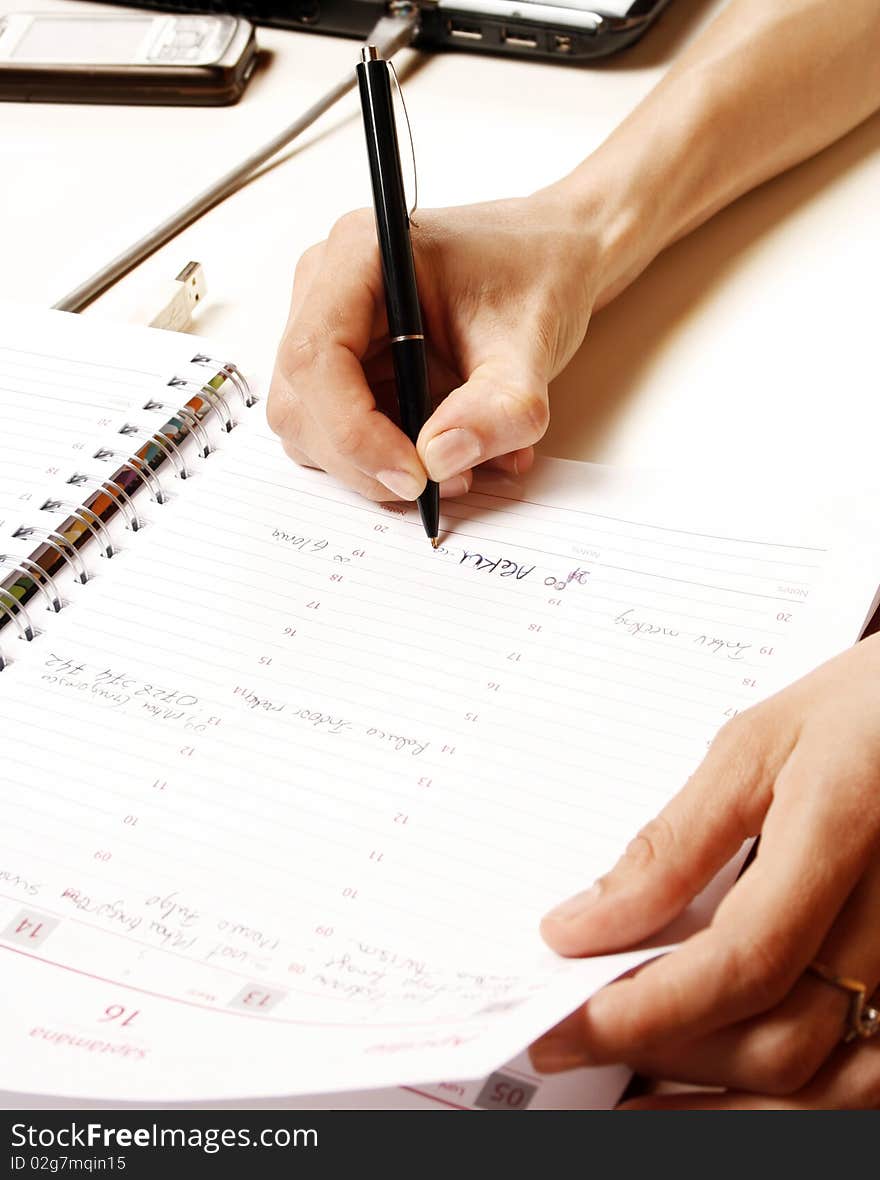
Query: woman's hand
x: 735, y: 1006
x: 506, y: 290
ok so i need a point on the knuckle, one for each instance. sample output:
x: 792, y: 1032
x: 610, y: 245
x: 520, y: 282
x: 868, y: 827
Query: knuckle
x: 348, y: 436
x: 281, y: 413
x: 528, y: 411
x: 757, y: 736
x: 654, y: 850
x: 745, y: 753
x: 731, y: 732
x: 650, y: 846
x: 299, y: 353
x: 787, y: 1058
x: 308, y: 260
x: 741, y: 736
x: 311, y: 254
x: 352, y: 226
x: 760, y: 973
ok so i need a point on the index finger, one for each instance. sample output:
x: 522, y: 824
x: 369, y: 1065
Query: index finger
x: 320, y: 397
x: 764, y: 934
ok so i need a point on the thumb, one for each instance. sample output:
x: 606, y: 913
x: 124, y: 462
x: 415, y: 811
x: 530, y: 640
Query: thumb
x: 673, y: 857
x: 503, y: 407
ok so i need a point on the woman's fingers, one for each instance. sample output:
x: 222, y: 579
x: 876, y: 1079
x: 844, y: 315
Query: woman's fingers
x: 850, y: 1080
x: 324, y: 458
x: 380, y: 374
x: 506, y: 291
x: 765, y: 932
x: 514, y: 463
x: 679, y: 852
x: 307, y: 268
x: 776, y: 1053
x: 501, y: 409
x: 320, y: 402
x: 736, y: 1005
x: 328, y: 412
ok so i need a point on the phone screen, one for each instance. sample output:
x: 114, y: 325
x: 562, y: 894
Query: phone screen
x: 100, y: 41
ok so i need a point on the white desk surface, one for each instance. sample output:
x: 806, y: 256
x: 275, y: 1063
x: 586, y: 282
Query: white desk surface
x: 751, y: 343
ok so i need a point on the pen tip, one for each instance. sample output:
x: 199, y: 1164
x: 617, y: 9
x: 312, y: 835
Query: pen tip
x: 434, y: 542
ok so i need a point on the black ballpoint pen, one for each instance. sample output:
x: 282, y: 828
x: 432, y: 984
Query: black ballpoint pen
x: 398, y: 270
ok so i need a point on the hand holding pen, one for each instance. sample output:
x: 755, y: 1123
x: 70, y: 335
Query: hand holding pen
x: 505, y: 295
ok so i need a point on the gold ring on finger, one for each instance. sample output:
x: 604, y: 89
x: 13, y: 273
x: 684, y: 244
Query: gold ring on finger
x: 863, y: 1019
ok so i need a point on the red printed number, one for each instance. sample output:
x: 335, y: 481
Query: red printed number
x: 504, y: 1094
x: 125, y: 1016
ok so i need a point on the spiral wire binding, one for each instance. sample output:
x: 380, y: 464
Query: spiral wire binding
x: 134, y: 466
x: 32, y: 577
x: 61, y: 543
x: 92, y: 522
x: 213, y: 396
x: 126, y: 504
x: 170, y: 448
x: 198, y: 430
x: 45, y: 581
x: 232, y: 373
x: 14, y: 609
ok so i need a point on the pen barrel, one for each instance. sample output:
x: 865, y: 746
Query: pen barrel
x: 389, y: 200
x: 398, y: 269
x: 411, y: 375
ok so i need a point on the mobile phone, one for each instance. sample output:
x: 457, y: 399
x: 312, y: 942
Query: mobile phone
x: 140, y: 58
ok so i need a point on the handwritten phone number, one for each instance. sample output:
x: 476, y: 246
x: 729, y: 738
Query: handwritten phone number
x: 67, y: 1163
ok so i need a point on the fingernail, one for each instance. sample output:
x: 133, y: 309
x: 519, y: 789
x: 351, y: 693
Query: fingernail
x: 575, y: 906
x: 401, y: 483
x: 451, y: 452
x: 459, y: 485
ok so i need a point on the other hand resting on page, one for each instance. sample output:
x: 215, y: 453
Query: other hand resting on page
x: 736, y: 1005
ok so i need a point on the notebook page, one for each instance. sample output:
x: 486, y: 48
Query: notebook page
x: 319, y: 782
x: 66, y: 385
x: 75, y: 395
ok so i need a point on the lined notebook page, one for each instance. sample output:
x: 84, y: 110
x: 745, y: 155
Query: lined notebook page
x: 66, y: 385
x: 289, y: 790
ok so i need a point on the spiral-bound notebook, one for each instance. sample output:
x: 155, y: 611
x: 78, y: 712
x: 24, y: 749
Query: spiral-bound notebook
x: 284, y: 792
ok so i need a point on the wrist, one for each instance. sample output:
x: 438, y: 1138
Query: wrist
x: 657, y: 176
x: 609, y: 227
x: 621, y: 200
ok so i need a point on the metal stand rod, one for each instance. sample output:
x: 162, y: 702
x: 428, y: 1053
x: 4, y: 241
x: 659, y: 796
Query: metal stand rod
x: 390, y: 34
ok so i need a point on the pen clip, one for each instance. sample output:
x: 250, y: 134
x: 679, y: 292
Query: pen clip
x: 412, y: 146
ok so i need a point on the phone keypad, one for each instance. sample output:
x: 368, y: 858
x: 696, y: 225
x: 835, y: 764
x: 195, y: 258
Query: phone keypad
x: 188, y: 39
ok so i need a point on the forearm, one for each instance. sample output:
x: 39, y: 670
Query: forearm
x: 765, y: 86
